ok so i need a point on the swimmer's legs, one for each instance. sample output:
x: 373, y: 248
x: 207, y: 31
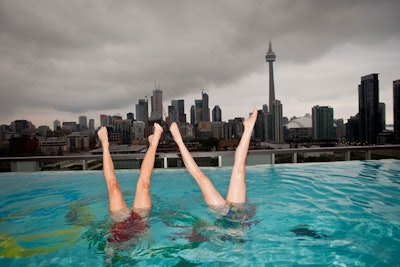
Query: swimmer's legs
x: 115, y: 198
x: 142, y: 197
x: 210, y: 194
x: 237, y: 186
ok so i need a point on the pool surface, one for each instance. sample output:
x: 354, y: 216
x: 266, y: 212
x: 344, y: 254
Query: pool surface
x: 335, y: 214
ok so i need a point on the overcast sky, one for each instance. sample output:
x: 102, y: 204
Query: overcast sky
x: 62, y: 59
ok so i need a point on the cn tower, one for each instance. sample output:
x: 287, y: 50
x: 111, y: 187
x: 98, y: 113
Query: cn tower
x: 270, y: 58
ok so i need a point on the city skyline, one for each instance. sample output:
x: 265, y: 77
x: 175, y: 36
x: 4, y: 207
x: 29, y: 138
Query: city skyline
x: 109, y: 56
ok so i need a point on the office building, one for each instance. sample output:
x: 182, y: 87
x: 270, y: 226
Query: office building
x: 322, y: 123
x: 156, y: 105
x: 56, y: 125
x: 382, y: 117
x: 91, y: 125
x: 138, y: 130
x: 176, y: 111
x: 124, y: 128
x: 83, y: 122
x: 130, y: 116
x: 201, y: 109
x: 103, y: 120
x: 396, y: 111
x: 274, y: 125
x: 193, y: 115
x: 368, y: 109
x: 142, y: 111
x: 216, y: 114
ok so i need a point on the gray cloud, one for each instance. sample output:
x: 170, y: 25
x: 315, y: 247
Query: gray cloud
x: 78, y: 56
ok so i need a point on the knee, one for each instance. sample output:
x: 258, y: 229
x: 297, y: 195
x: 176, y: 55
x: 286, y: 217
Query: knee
x: 113, y: 186
x: 143, y: 183
x: 239, y: 168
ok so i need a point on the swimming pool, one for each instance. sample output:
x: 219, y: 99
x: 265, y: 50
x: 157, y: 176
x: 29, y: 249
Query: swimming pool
x: 343, y: 213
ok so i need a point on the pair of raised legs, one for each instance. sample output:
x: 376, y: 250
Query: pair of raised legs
x: 237, y: 185
x: 142, y: 201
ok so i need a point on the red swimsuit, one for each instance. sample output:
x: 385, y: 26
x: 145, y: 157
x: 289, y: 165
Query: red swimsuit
x: 130, y: 228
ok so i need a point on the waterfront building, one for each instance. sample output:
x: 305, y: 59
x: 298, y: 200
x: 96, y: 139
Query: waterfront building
x: 368, y: 108
x: 322, y: 123
x: 396, y: 111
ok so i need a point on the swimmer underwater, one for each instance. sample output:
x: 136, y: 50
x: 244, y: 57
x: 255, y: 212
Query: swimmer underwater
x: 232, y: 208
x: 129, y: 222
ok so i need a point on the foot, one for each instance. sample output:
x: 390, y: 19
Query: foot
x: 103, y: 136
x: 249, y: 123
x: 155, y: 138
x: 176, y: 134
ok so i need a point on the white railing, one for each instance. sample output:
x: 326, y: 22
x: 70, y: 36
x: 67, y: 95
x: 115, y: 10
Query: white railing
x: 221, y: 158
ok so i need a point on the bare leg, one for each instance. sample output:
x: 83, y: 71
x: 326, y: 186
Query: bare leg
x: 115, y: 198
x: 210, y: 194
x: 142, y: 197
x: 237, y: 186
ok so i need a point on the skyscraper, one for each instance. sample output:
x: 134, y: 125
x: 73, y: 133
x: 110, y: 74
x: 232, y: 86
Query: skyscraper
x: 176, y: 111
x: 322, y: 123
x: 130, y: 116
x: 382, y: 117
x: 205, y: 107
x: 274, y: 123
x: 202, y: 111
x: 198, y: 111
x: 142, y: 111
x: 216, y: 114
x: 83, y: 122
x: 91, y: 125
x: 156, y: 105
x: 368, y: 108
x: 270, y: 57
x: 56, y: 124
x: 396, y: 110
x: 103, y: 120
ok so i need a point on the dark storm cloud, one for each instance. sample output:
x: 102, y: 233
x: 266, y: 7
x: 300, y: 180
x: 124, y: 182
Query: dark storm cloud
x: 77, y: 55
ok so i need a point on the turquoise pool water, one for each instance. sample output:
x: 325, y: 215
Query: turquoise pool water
x: 335, y: 214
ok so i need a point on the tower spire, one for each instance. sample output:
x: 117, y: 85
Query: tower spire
x: 270, y: 58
